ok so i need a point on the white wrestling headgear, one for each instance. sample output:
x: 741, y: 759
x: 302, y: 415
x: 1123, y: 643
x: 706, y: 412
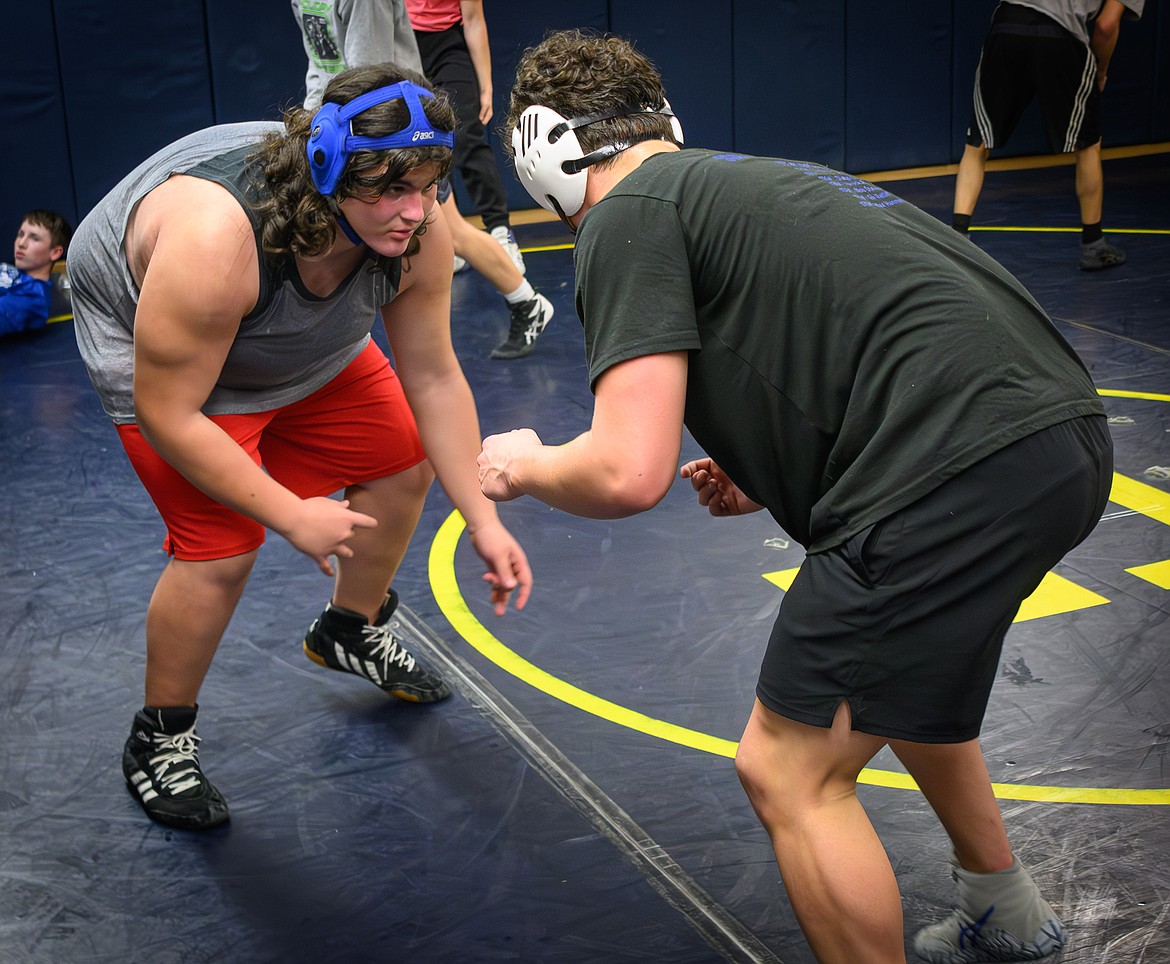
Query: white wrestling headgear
x: 550, y: 162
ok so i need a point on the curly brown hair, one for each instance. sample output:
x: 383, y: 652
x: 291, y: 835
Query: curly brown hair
x: 577, y: 73
x: 295, y: 218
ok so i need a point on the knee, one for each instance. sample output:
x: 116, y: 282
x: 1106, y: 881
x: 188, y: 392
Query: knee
x: 747, y: 767
x: 976, y: 153
x: 392, y: 495
x: 771, y: 787
x: 419, y: 477
x: 788, y: 768
x: 410, y: 484
x: 225, y: 577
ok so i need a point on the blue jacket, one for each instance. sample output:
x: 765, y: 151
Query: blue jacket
x: 24, y: 300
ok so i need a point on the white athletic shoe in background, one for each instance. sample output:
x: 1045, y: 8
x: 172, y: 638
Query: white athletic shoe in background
x: 508, y: 240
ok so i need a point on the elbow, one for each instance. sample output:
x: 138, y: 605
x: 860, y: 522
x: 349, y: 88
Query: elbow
x: 143, y: 418
x: 1105, y: 35
x: 636, y: 493
x: 153, y: 422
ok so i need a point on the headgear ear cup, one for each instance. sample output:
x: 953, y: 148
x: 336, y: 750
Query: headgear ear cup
x: 675, y: 124
x: 550, y: 162
x: 541, y: 149
x: 327, y: 155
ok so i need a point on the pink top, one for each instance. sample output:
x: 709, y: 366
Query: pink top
x: 431, y: 16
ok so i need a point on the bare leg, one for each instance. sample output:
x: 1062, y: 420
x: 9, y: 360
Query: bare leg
x: 396, y: 501
x: 483, y: 252
x: 969, y: 181
x: 188, y: 613
x: 802, y: 782
x: 1090, y: 183
x: 953, y: 778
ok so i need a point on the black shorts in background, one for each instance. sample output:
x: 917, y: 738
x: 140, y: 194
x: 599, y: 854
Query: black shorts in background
x: 1028, y: 56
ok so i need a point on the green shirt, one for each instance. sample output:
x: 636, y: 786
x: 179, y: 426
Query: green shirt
x: 848, y: 352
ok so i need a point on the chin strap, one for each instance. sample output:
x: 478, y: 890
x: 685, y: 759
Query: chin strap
x: 348, y: 231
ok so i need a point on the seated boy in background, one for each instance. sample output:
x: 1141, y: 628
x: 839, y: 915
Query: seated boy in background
x: 26, y: 293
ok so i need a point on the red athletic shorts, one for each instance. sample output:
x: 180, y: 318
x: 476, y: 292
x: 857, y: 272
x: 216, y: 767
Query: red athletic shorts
x: 357, y: 428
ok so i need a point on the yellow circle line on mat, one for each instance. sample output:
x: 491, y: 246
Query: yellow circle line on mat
x: 1033, y: 230
x: 1147, y: 396
x: 445, y: 586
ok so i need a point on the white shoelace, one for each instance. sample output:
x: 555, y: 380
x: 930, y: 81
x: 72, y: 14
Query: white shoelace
x: 386, y: 648
x: 176, y: 763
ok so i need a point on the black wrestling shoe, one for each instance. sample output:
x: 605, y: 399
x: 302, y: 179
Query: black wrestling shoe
x: 529, y: 319
x: 162, y: 771
x: 342, y: 639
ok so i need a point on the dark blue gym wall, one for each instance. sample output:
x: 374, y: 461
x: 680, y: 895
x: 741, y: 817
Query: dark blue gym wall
x: 93, y: 87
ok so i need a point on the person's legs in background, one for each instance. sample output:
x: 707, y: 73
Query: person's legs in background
x: 531, y: 311
x: 448, y: 65
x: 968, y: 185
x: 1096, y: 252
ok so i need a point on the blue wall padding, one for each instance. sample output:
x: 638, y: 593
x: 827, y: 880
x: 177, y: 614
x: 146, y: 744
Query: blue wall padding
x: 788, y: 60
x: 690, y: 42
x: 879, y: 133
x: 34, y: 141
x: 1132, y: 88
x: 92, y: 88
x: 255, y: 73
x: 135, y: 76
x: 1157, y: 74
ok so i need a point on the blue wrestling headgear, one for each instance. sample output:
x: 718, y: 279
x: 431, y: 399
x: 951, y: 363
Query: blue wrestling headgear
x: 332, y: 141
x: 550, y: 161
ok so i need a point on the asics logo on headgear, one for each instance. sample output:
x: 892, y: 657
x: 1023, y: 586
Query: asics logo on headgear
x: 423, y: 136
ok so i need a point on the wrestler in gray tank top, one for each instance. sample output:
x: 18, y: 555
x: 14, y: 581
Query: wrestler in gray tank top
x: 290, y: 345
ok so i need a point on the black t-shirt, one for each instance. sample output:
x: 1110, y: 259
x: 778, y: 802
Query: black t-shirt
x: 848, y: 352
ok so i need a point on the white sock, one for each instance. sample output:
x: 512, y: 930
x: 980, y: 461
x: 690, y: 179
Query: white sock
x: 524, y: 293
x: 1011, y: 896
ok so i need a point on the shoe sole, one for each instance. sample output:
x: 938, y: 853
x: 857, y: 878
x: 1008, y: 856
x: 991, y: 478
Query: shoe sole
x: 509, y: 357
x: 407, y: 695
x: 177, y: 822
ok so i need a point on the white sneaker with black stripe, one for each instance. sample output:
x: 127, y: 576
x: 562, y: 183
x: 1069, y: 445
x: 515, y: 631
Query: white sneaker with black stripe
x: 529, y: 319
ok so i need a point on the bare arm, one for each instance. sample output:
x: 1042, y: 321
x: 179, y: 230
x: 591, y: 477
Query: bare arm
x: 192, y: 249
x: 476, y: 35
x: 1106, y: 30
x: 419, y: 328
x: 623, y: 465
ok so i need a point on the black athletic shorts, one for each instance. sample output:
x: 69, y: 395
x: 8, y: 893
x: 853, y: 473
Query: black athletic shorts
x: 1027, y: 55
x: 906, y: 620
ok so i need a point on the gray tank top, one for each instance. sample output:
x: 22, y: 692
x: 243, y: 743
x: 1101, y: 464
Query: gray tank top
x: 290, y: 345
